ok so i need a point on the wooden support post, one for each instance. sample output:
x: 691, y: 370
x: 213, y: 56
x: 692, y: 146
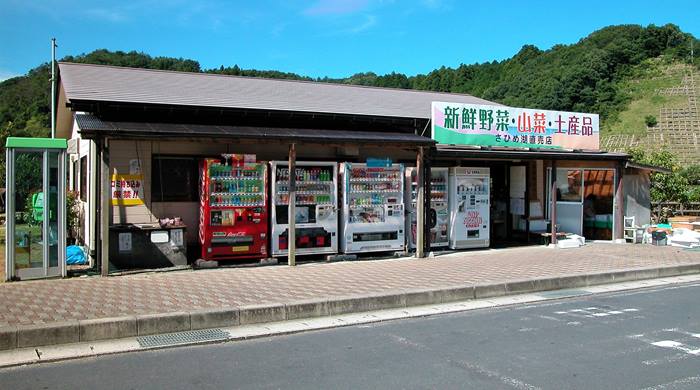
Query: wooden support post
x: 292, y: 236
x: 553, y: 203
x: 427, y: 195
x: 420, y: 205
x: 105, y: 186
x: 619, y: 212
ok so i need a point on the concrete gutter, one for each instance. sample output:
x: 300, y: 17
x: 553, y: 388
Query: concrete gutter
x: 13, y: 337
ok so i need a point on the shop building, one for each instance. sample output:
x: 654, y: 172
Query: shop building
x: 151, y: 129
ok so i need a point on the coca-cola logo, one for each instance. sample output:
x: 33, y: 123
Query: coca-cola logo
x: 473, y: 219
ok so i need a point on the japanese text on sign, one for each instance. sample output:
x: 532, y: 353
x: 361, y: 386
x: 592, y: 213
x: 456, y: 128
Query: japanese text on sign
x: 127, y: 190
x: 486, y: 125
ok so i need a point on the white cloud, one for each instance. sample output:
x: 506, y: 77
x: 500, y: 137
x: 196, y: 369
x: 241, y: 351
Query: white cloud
x: 370, y: 21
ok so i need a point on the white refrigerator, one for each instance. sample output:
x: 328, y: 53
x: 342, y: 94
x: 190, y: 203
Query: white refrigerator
x: 469, y: 207
x: 316, y: 210
x: 372, y: 217
x: 438, y: 217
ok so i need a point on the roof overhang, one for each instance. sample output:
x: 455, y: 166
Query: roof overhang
x: 92, y: 127
x: 646, y: 167
x: 447, y: 152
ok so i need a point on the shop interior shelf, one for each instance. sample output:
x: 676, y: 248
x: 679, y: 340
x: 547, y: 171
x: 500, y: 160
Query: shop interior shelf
x: 305, y: 204
x: 372, y: 179
x: 374, y: 191
x: 235, y: 178
x: 305, y: 192
x: 235, y: 193
x: 302, y: 182
x: 223, y: 205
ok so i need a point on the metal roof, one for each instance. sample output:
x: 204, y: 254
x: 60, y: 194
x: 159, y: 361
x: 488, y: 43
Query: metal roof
x: 85, y: 82
x: 90, y: 125
x: 457, y: 152
x: 647, y: 167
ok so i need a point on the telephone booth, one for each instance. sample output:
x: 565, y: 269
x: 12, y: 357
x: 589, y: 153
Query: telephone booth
x: 35, y: 237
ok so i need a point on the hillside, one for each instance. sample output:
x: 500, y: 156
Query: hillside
x: 620, y: 72
x: 667, y: 91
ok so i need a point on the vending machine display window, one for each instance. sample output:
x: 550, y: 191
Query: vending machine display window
x: 233, y: 208
x: 315, y: 210
x: 373, y: 208
x: 438, y: 217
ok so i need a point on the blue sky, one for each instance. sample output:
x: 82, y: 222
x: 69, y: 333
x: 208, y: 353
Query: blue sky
x: 317, y: 38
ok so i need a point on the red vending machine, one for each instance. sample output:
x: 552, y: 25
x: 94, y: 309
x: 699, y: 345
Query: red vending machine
x: 233, y: 208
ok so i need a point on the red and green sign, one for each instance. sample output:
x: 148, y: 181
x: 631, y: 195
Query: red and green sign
x: 486, y: 125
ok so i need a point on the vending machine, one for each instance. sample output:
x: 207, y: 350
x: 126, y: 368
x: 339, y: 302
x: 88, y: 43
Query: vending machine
x: 438, y: 217
x: 469, y: 207
x: 233, y: 208
x: 372, y: 208
x: 316, y: 210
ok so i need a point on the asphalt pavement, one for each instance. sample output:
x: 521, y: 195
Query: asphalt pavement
x: 643, y: 339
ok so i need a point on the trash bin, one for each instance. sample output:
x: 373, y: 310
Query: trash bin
x: 658, y: 237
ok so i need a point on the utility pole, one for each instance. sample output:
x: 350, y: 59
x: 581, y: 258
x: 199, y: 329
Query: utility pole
x: 53, y: 87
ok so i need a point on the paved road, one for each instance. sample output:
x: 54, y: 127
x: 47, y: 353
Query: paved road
x: 630, y: 340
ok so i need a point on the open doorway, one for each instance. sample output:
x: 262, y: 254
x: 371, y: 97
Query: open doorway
x: 598, y: 198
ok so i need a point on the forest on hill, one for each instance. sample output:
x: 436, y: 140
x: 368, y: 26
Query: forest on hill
x: 587, y: 76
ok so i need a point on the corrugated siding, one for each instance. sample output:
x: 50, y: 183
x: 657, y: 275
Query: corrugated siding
x: 117, y: 84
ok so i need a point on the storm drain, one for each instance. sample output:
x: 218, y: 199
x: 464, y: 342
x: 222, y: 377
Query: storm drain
x: 188, y: 337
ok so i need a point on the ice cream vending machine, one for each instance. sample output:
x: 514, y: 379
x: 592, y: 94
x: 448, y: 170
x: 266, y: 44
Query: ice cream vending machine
x: 372, y: 208
x: 469, y: 207
x: 233, y: 208
x: 438, y: 217
x: 316, y: 208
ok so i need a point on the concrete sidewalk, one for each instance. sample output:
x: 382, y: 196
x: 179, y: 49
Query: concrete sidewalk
x: 35, y: 313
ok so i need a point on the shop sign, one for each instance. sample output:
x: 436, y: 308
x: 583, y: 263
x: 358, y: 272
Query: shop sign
x: 487, y: 125
x: 127, y: 190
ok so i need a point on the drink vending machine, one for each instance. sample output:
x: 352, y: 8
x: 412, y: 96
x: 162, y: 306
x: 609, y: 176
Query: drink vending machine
x: 316, y: 211
x: 438, y: 217
x: 233, y: 208
x: 469, y: 207
x: 373, y: 208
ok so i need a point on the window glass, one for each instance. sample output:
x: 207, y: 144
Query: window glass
x: 175, y: 179
x: 83, y: 178
x: 569, y: 185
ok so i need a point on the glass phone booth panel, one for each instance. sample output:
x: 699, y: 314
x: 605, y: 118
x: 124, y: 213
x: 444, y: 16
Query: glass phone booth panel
x: 35, y: 208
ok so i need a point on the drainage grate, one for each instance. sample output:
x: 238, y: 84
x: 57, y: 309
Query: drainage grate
x: 189, y: 337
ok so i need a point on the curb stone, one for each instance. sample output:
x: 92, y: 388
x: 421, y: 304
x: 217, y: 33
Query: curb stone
x: 12, y: 337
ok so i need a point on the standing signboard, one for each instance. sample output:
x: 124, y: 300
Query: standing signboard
x: 488, y: 125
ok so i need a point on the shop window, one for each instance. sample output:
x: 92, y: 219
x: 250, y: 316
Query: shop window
x: 569, y: 186
x: 175, y: 179
x: 83, y: 178
x: 74, y: 176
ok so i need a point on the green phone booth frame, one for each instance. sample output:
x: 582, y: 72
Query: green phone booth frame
x: 53, y: 228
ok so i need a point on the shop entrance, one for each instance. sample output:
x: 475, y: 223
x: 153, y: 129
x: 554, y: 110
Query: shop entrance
x: 509, y: 199
x: 585, y: 202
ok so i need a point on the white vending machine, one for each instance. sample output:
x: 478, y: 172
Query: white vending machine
x: 469, y: 207
x: 372, y: 208
x: 439, y: 217
x: 316, y: 208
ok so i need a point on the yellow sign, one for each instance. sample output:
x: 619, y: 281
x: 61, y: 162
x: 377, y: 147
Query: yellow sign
x: 240, y: 248
x: 127, y: 190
